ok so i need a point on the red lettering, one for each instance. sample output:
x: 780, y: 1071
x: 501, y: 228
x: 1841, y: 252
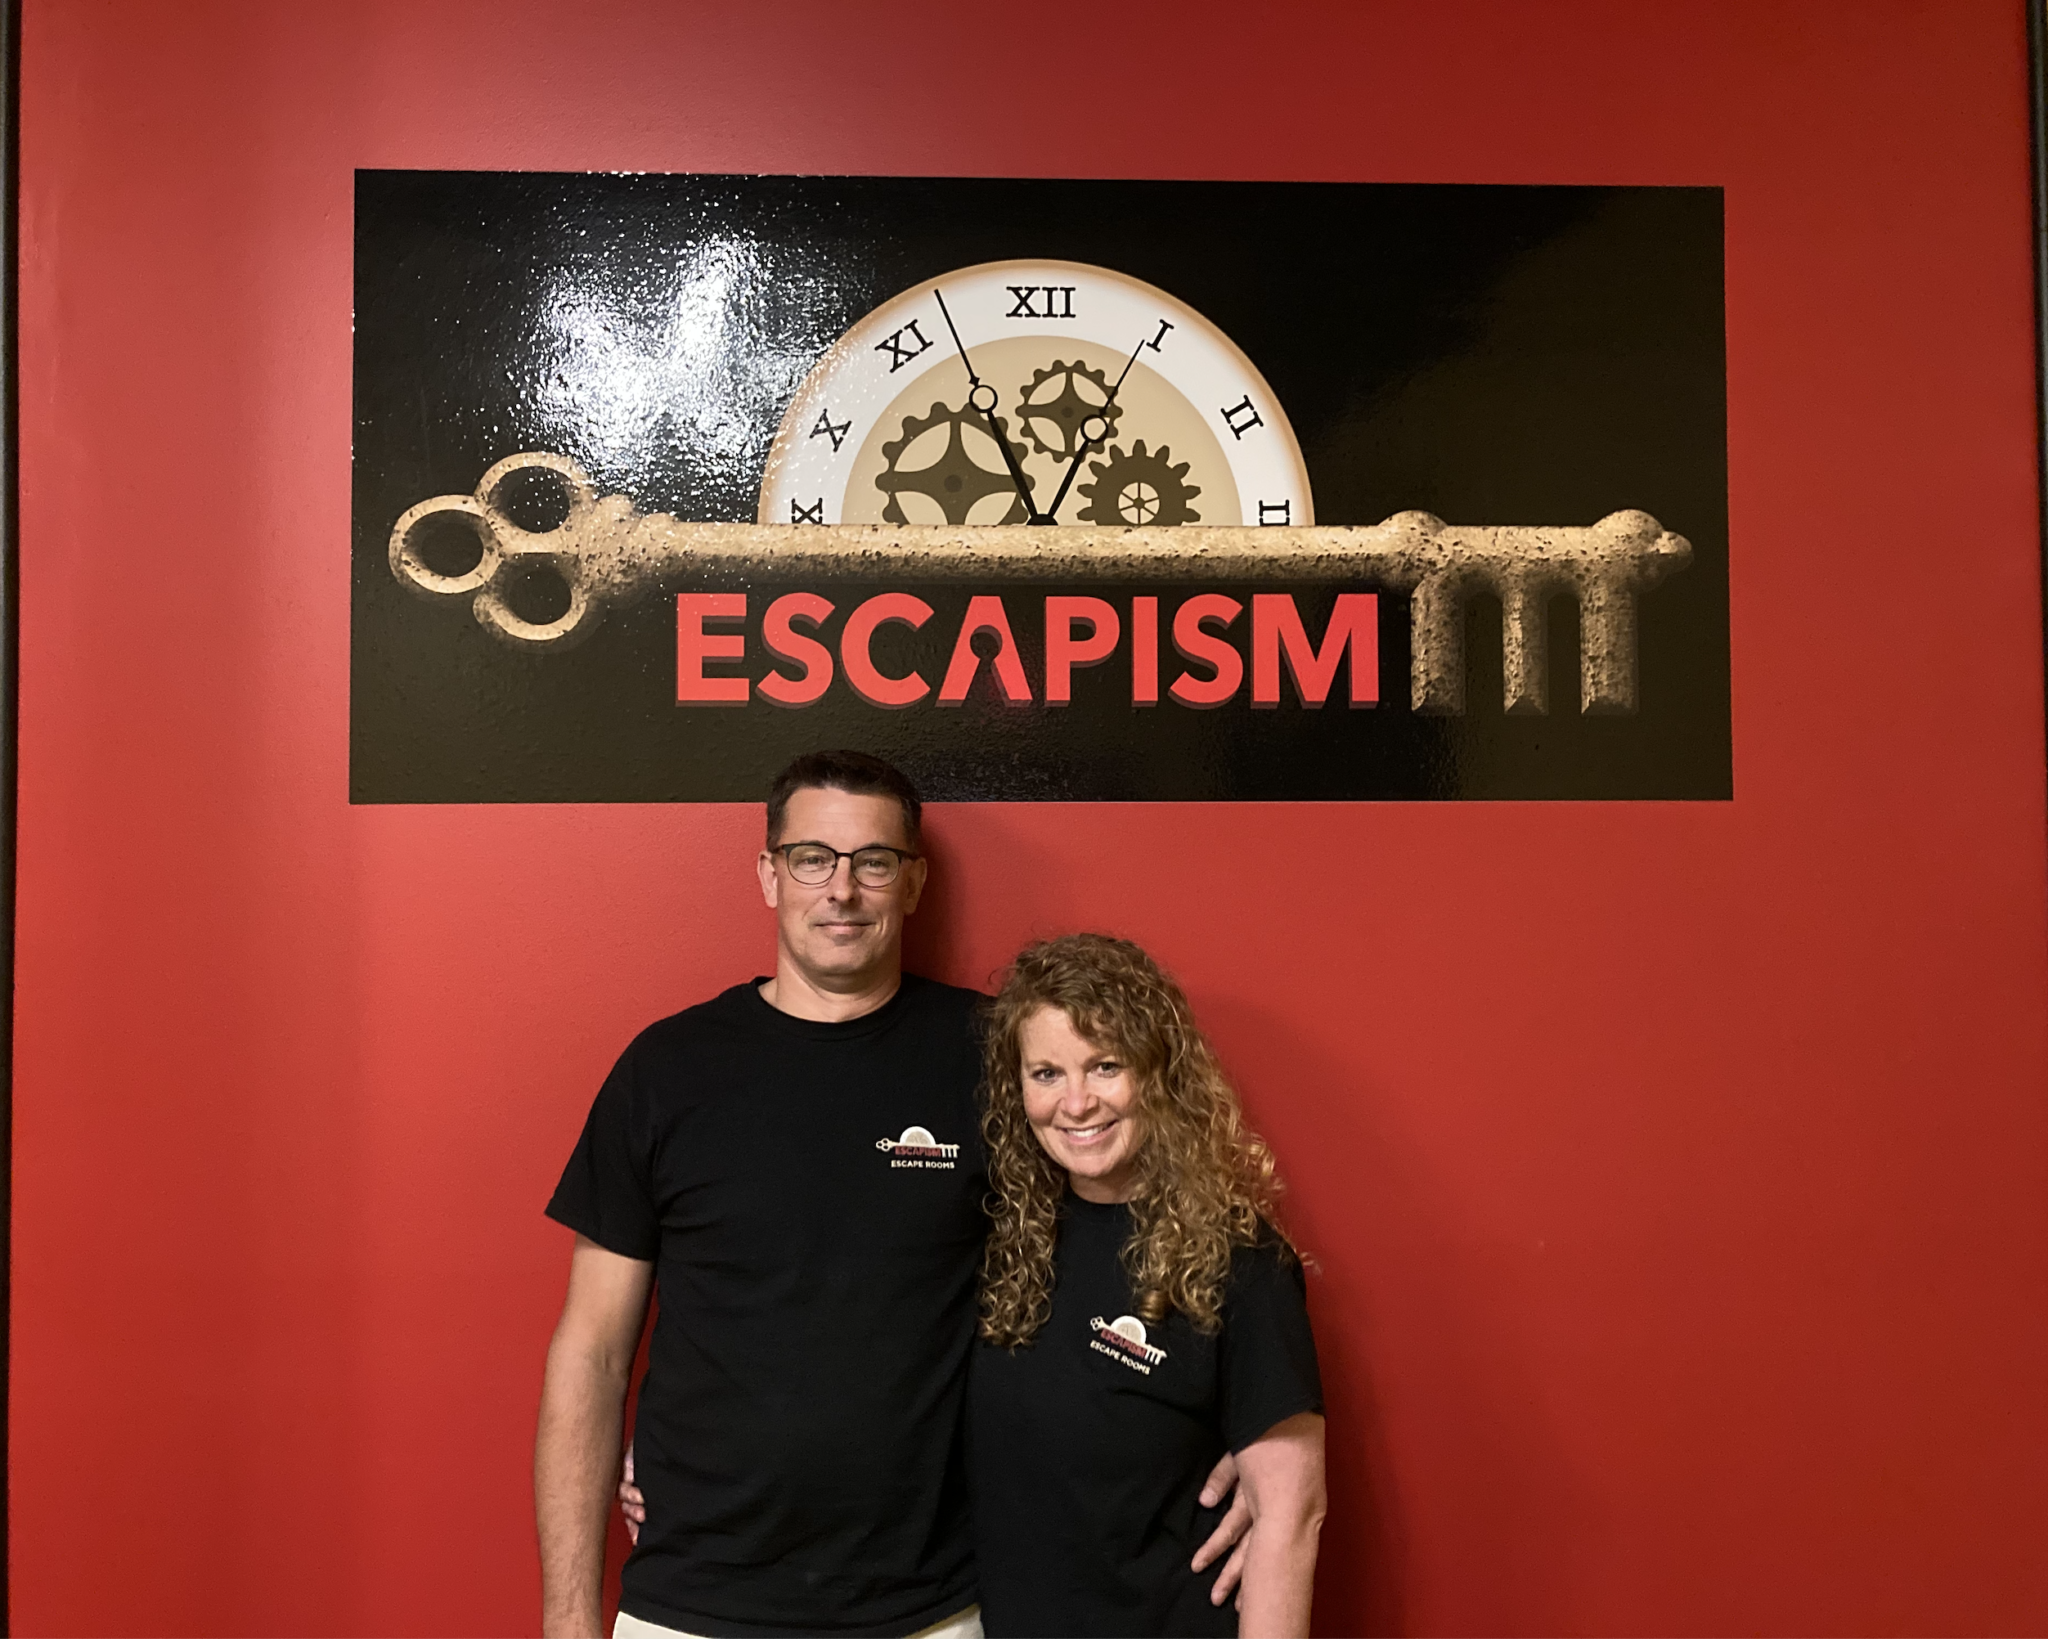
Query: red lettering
x: 694, y: 646
x: 859, y: 665
x: 1144, y: 651
x: 1277, y: 630
x: 1206, y: 649
x: 786, y: 644
x: 1063, y: 651
x: 985, y: 614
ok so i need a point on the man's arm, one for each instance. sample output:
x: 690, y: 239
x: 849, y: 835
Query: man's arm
x: 1281, y: 1474
x: 576, y: 1450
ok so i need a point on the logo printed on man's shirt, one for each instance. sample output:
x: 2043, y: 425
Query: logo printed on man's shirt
x: 1123, y: 1340
x: 917, y: 1148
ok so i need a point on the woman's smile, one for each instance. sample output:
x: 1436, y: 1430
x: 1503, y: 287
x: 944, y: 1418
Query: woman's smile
x: 1082, y: 1101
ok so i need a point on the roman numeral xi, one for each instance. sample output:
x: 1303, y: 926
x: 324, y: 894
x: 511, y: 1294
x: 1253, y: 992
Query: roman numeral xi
x: 901, y: 352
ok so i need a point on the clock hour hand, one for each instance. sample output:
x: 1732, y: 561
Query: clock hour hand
x: 1087, y: 440
x: 976, y: 388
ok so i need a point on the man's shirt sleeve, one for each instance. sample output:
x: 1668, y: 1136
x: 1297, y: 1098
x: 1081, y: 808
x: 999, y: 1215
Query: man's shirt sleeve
x: 607, y: 1189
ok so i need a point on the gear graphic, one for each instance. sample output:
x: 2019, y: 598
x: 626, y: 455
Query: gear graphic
x: 1063, y: 413
x: 955, y: 480
x: 1140, y: 489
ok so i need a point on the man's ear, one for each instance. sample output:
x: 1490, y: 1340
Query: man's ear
x: 771, y: 884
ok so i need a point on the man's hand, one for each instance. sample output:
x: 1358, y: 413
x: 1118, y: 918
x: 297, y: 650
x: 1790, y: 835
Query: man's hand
x: 1230, y: 1530
x: 632, y: 1501
x: 576, y: 1448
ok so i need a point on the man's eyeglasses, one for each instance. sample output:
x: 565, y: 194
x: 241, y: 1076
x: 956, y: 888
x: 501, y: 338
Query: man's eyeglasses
x: 813, y: 864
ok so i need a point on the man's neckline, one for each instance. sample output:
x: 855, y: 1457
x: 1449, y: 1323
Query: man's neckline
x: 875, y: 1017
x: 818, y: 1018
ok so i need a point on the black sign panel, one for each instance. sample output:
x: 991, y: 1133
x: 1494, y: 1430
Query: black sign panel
x: 559, y: 377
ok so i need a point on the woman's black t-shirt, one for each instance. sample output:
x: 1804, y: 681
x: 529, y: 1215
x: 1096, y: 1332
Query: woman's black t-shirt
x: 1088, y: 1446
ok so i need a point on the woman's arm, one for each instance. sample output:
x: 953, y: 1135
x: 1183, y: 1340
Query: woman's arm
x: 1281, y: 1474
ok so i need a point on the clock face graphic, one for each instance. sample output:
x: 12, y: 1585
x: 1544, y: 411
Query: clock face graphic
x: 1118, y: 404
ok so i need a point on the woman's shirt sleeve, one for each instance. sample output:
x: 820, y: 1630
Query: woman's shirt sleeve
x: 1268, y: 1351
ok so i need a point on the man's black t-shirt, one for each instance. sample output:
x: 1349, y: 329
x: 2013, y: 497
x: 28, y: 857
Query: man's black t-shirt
x: 1088, y: 1446
x: 811, y: 1197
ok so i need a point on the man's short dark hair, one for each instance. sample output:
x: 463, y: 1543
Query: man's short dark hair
x: 853, y: 772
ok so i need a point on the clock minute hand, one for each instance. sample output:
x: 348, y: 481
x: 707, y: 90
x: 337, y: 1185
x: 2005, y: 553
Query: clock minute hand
x: 1074, y: 466
x: 975, y: 388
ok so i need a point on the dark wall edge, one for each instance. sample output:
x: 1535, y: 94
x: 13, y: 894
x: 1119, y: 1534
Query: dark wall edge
x: 10, y: 626
x: 2037, y: 102
x: 10, y: 618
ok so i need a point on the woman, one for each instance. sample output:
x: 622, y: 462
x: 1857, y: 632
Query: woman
x: 1141, y: 1314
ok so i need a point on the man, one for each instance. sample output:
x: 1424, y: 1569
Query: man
x: 798, y: 1161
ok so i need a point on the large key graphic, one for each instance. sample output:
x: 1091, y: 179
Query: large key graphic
x: 607, y: 552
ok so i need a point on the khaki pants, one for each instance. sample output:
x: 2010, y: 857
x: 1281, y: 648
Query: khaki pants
x: 967, y: 1625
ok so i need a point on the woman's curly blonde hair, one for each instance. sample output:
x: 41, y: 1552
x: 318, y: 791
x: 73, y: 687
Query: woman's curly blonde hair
x: 1206, y: 1183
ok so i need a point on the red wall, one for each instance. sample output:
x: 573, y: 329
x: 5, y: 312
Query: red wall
x: 1679, y: 1172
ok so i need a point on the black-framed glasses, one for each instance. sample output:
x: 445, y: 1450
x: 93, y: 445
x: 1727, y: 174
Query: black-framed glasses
x: 813, y: 864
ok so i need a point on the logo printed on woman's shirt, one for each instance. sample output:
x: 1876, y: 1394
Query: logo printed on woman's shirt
x: 1123, y: 1340
x: 917, y: 1148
